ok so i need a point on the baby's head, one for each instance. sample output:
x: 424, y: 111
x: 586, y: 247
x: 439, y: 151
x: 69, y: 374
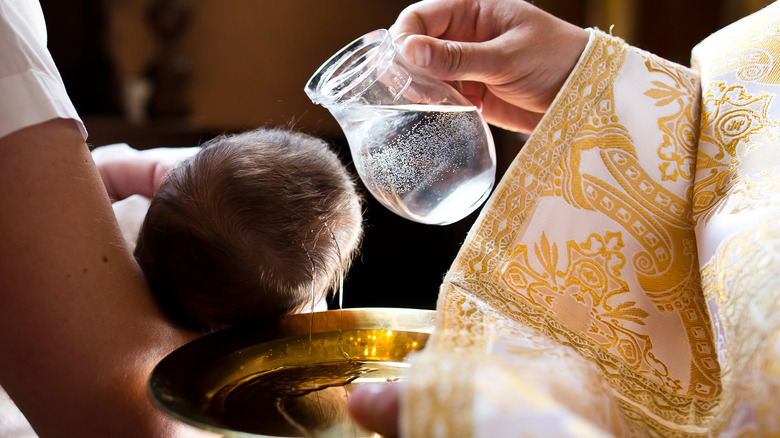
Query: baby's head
x: 249, y: 229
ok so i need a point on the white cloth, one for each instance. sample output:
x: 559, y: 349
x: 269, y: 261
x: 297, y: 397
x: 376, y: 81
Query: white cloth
x: 31, y: 89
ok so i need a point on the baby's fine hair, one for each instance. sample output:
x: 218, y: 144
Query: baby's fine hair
x: 249, y: 229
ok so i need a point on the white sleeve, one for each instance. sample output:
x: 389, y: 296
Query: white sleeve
x: 31, y: 89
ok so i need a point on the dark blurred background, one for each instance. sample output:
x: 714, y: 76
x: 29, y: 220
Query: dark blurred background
x: 175, y: 73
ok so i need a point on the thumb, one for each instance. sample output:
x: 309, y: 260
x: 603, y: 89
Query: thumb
x: 448, y: 60
x: 375, y: 407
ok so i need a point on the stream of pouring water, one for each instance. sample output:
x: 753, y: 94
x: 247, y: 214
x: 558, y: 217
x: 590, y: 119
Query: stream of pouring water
x: 341, y: 291
x: 341, y: 309
x: 279, y: 404
x: 313, y: 303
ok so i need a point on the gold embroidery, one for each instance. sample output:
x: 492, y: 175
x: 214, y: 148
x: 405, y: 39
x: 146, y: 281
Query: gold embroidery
x: 586, y: 294
x: 658, y: 220
x: 526, y: 178
x: 750, y: 54
x: 633, y: 391
x: 654, y: 216
x: 742, y: 279
x: 680, y: 129
x: 733, y: 123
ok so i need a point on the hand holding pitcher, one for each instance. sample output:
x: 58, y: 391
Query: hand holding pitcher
x: 422, y: 149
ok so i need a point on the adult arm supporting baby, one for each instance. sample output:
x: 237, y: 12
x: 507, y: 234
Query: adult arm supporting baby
x: 80, y: 330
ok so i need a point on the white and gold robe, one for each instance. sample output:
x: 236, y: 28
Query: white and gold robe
x: 624, y: 277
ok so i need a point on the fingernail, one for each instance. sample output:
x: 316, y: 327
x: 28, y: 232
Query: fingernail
x: 421, y: 52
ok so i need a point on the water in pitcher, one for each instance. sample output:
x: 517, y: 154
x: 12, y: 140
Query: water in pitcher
x: 429, y: 163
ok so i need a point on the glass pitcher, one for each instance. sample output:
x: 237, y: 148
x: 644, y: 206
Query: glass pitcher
x: 420, y: 147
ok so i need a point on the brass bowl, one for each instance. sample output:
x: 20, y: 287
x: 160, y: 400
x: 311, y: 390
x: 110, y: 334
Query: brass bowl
x: 290, y: 378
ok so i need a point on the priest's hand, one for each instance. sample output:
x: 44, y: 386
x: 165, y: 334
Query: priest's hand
x: 507, y: 56
x: 375, y: 407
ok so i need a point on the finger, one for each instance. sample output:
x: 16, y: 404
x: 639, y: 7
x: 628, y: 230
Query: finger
x: 375, y: 407
x: 507, y: 116
x: 451, y: 60
x: 498, y: 112
x: 424, y: 18
x: 473, y: 91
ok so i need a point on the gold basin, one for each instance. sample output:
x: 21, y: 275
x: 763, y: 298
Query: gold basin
x: 290, y: 378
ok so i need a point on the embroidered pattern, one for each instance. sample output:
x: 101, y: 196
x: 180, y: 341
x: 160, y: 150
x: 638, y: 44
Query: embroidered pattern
x: 734, y: 122
x: 580, y: 296
x: 742, y: 279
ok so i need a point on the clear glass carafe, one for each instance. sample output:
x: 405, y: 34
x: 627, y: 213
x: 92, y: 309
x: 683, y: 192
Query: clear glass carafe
x: 420, y: 147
